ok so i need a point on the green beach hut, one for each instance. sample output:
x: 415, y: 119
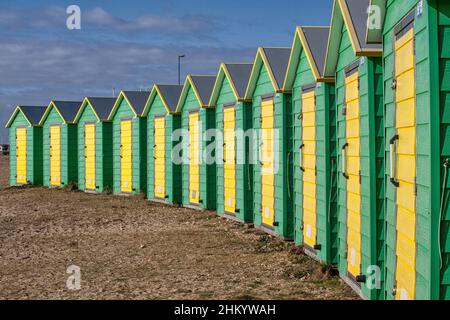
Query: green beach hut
x: 233, y: 119
x: 357, y: 67
x: 60, y: 143
x: 95, y: 166
x: 198, y: 176
x: 416, y: 60
x: 129, y: 143
x: 315, y: 167
x: 163, y: 174
x: 272, y: 119
x: 25, y: 140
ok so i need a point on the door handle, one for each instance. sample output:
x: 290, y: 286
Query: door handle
x: 344, y: 161
x: 224, y: 153
x: 261, y: 164
x: 393, y: 159
x: 302, y: 168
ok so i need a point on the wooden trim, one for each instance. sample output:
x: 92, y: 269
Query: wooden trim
x: 405, y: 24
x: 266, y: 97
x: 229, y: 105
x: 352, y: 68
x: 309, y: 87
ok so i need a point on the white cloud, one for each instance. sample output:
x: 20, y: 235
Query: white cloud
x: 55, y: 16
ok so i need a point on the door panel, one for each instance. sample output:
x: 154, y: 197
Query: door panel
x: 126, y: 156
x: 309, y: 165
x: 406, y: 167
x: 194, y: 162
x: 55, y: 156
x: 353, y: 169
x: 21, y: 155
x: 159, y: 153
x: 230, y: 160
x: 267, y: 163
x: 89, y: 155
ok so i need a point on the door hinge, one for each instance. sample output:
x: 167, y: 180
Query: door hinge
x: 360, y: 177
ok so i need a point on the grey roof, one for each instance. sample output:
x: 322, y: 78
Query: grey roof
x: 204, y: 86
x: 317, y: 39
x: 240, y: 75
x: 68, y: 109
x: 138, y: 99
x: 33, y: 113
x: 359, y: 16
x: 171, y: 94
x: 278, y: 59
x: 102, y: 106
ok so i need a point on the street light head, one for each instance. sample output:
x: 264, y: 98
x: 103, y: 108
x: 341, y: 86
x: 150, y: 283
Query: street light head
x: 181, y: 55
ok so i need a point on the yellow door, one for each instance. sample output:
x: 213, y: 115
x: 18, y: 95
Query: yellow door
x: 159, y: 152
x: 126, y: 160
x: 353, y: 174
x: 267, y: 163
x: 406, y: 167
x: 308, y: 165
x: 21, y: 155
x: 55, y: 156
x: 194, y: 159
x: 89, y: 156
x: 230, y: 160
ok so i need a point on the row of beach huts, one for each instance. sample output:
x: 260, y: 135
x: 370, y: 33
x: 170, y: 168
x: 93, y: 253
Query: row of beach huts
x: 352, y: 144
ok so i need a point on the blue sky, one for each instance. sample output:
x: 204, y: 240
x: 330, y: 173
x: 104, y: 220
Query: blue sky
x: 133, y: 44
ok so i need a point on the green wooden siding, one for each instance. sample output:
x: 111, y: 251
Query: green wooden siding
x: 283, y: 122
x: 207, y: 172
x: 103, y: 151
x: 69, y: 150
x: 34, y: 151
x: 173, y: 171
x: 326, y: 162
x: 371, y: 161
x: 244, y: 184
x: 139, y: 148
x: 444, y: 68
x: 395, y: 12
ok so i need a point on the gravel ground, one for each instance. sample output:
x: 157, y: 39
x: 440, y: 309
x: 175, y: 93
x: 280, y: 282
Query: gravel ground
x: 129, y: 248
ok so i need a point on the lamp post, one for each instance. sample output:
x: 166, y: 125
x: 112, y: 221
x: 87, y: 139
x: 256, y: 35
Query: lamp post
x: 179, y: 67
